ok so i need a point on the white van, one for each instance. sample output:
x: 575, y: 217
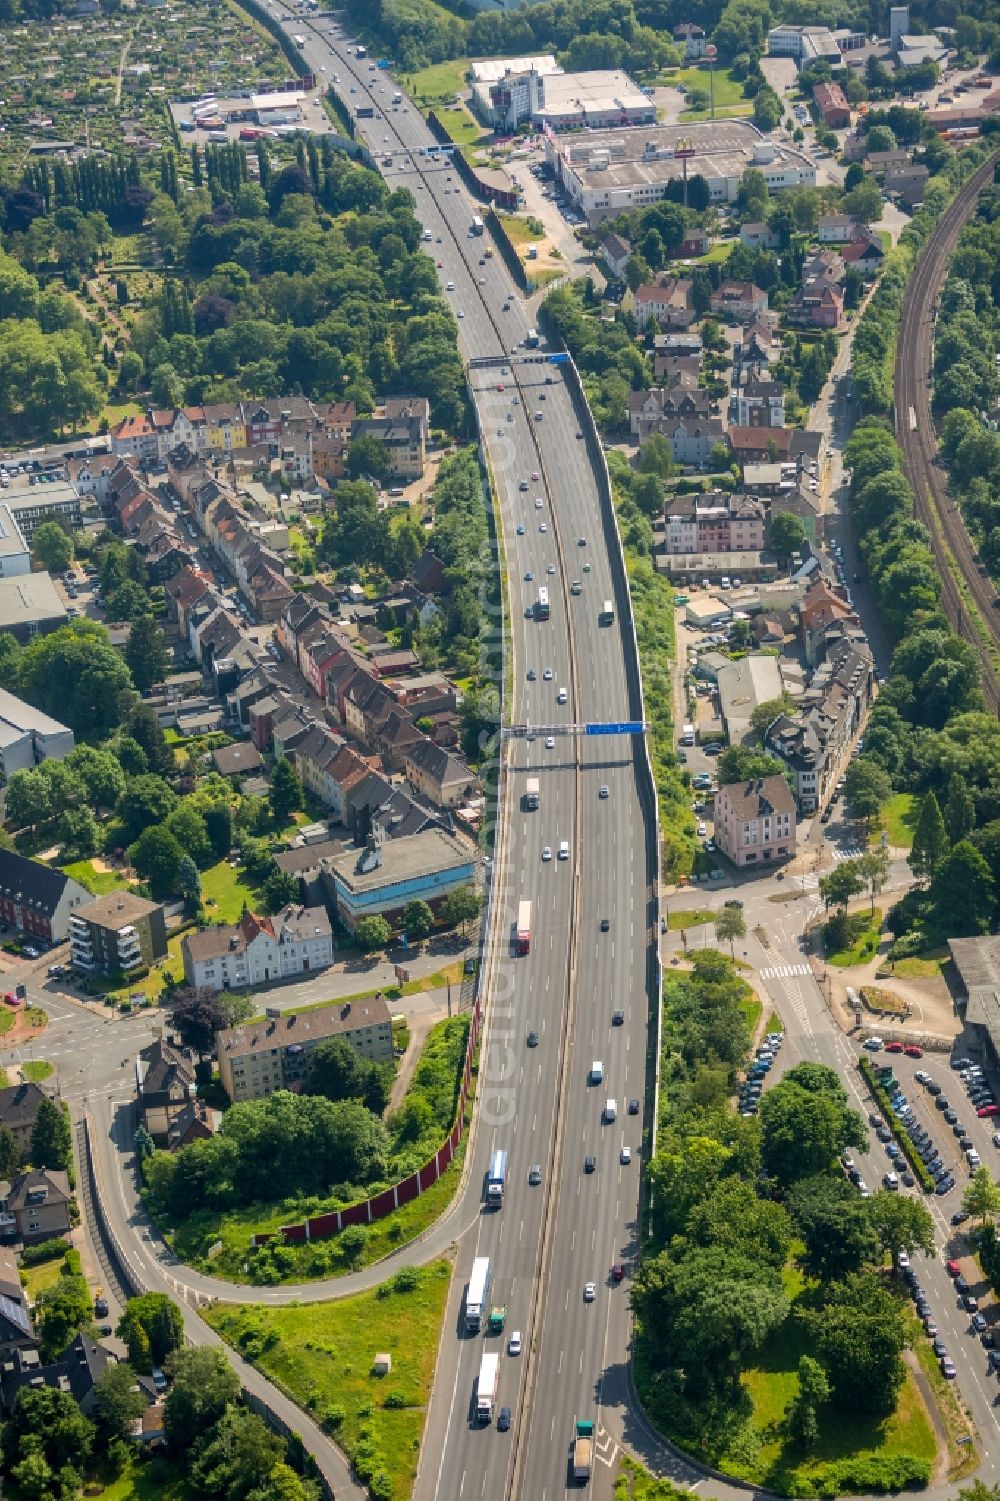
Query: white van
x: 596, y: 1071
x: 687, y: 734
x: 611, y: 1110
x: 564, y: 849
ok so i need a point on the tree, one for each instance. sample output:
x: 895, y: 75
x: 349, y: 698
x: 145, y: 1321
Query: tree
x: 100, y: 773
x: 189, y: 884
x: 51, y: 1138
x: 28, y: 800
x: 48, y: 1422
x: 834, y: 1224
x: 146, y: 652
x: 814, y: 1390
x: 868, y: 788
x: 372, y: 933
x: 10, y: 1156
x: 152, y: 1327
x: 981, y: 1197
x: 873, y: 868
x: 236, y: 1457
x: 864, y: 202
x: 959, y: 809
x: 859, y: 1337
x: 729, y: 926
x: 901, y: 1223
x: 656, y: 456
x: 787, y: 533
x: 203, y: 1386
x: 843, y: 882
x: 51, y: 547
x: 418, y: 920
x: 147, y: 800
x: 187, y: 826
x: 803, y: 1129
x: 62, y: 1310
x: 128, y: 602
x: 118, y: 1401
x: 157, y: 857
x: 367, y: 458
x: 741, y: 763
x: 280, y: 888
x: 79, y: 832
x: 197, y: 1015
x: 285, y: 794
x: 462, y: 905
x: 764, y: 714
x: 962, y: 893
x: 930, y: 840
x: 144, y: 727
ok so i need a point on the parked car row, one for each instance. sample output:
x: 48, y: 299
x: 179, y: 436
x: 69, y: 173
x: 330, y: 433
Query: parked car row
x: 751, y: 1090
x: 924, y: 1311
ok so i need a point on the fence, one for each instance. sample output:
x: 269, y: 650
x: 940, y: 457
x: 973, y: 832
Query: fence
x: 480, y: 187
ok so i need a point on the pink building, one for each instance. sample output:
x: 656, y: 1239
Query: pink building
x: 755, y: 821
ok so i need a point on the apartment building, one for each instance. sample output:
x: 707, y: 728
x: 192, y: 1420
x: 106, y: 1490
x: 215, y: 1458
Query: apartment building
x: 258, y: 950
x: 37, y: 899
x: 260, y: 1057
x: 738, y: 301
x: 35, y: 1206
x: 117, y: 934
x: 755, y: 821
x: 681, y: 402
x: 761, y: 403
x: 667, y: 300
x: 713, y: 523
x: 831, y: 101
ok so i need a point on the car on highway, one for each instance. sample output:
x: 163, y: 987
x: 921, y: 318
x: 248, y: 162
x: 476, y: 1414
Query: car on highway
x: 561, y: 696
x: 547, y: 852
x: 532, y: 1038
x: 550, y: 569
x: 503, y: 1421
x: 514, y: 1343
x: 535, y: 1174
x: 604, y: 790
x: 532, y: 675
x: 626, y: 1155
x: 605, y: 925
x: 543, y: 527
x: 528, y: 576
x: 520, y: 528
x: 618, y: 1272
x: 539, y: 502
x: 590, y: 1164
x: 618, y: 1018
x: 550, y: 741
x: 589, y: 1292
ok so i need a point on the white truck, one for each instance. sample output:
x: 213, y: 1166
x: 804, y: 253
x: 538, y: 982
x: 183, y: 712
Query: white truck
x: 532, y: 793
x: 486, y: 1387
x: 478, y: 1291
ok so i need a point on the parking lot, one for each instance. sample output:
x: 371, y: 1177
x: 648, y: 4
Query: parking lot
x: 941, y: 1106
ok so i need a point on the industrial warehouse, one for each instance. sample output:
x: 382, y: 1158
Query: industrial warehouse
x: 610, y: 172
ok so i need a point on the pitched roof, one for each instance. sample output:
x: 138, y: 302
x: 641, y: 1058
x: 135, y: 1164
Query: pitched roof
x: 760, y: 798
x: 31, y: 883
x: 238, y: 757
x: 307, y: 1026
x: 19, y: 1105
x: 117, y: 909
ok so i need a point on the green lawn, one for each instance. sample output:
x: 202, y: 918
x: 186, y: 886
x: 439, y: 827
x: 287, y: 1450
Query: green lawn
x: 45, y: 1274
x: 464, y: 129
x: 117, y: 411
x: 520, y: 231
x: 225, y: 891
x: 921, y: 966
x: 716, y: 254
x: 689, y: 917
x: 729, y: 98
x: 98, y: 882
x: 752, y: 1008
x: 35, y: 1070
x: 322, y: 1354
x: 899, y: 820
x: 439, y: 81
x: 156, y: 1480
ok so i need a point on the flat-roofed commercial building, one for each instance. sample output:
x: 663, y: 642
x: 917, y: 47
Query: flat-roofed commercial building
x: 380, y: 879
x: 30, y: 504
x: 262, y: 1056
x: 15, y: 558
x: 27, y: 736
x: 611, y: 172
x: 30, y: 606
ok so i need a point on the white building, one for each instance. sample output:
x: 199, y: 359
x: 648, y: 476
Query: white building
x: 15, y: 558
x: 259, y: 950
x: 807, y: 44
x: 27, y: 736
x: 611, y: 172
x: 563, y: 101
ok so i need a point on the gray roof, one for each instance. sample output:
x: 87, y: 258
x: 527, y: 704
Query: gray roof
x: 30, y: 597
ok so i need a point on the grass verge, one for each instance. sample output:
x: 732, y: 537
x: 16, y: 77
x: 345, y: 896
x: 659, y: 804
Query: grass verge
x: 962, y: 1456
x: 97, y: 882
x: 322, y: 1355
x: 37, y: 1069
x: 899, y: 820
x: 689, y: 917
x: 921, y: 966
x: 864, y: 929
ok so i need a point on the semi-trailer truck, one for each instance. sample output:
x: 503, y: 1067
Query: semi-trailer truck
x: 532, y: 794
x: 496, y: 1179
x: 362, y: 51
x: 486, y: 1388
x: 523, y: 928
x: 475, y: 1298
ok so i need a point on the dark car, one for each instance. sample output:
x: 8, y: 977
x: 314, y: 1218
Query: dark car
x: 532, y: 1039
x: 940, y: 1348
x: 617, y: 1018
x: 106, y: 1330
x: 933, y: 1088
x: 503, y: 1421
x: 941, y: 1103
x: 951, y: 1117
x: 945, y: 1186
x: 970, y: 1303
x: 617, y: 1272
x: 633, y: 1107
x: 874, y: 1120
x: 961, y: 1284
x: 589, y: 1164
x: 101, y: 1308
x: 605, y: 925
x: 959, y: 1217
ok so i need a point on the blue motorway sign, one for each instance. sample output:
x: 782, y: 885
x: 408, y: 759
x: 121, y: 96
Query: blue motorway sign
x: 617, y: 727
x: 558, y: 359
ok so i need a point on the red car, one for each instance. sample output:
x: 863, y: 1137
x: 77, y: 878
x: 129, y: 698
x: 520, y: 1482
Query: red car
x: 617, y: 1272
x: 894, y: 1047
x: 987, y: 1110
x: 953, y: 1268
x: 912, y: 1051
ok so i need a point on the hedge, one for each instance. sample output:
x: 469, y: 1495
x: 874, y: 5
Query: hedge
x: 900, y: 1132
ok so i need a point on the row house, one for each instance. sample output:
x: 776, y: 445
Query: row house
x: 823, y: 261
x: 183, y: 592
x: 435, y: 774
x: 667, y: 300
x: 647, y: 409
x: 815, y: 743
x: 820, y: 608
x: 403, y: 439
x: 221, y: 429
x: 761, y: 403
x: 313, y: 756
x: 738, y: 301
x: 713, y: 523
x: 677, y: 371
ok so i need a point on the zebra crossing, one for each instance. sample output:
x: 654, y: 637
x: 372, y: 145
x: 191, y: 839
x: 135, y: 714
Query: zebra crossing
x: 784, y: 971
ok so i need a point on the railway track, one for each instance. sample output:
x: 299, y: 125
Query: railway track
x: 917, y: 437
